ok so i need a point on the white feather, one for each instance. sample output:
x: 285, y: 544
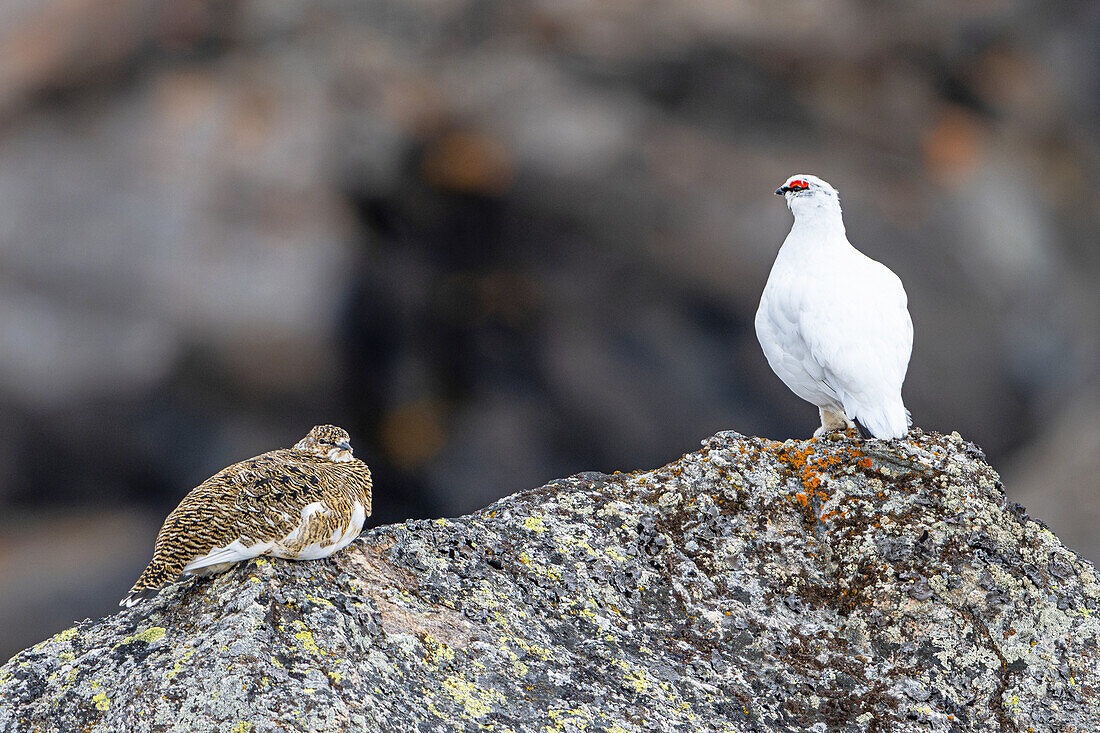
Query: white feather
x: 339, y: 540
x: 235, y: 551
x: 339, y: 455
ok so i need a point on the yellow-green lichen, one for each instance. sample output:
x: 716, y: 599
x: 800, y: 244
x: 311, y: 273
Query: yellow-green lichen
x: 483, y: 595
x: 541, y: 651
x: 178, y: 666
x: 149, y: 635
x: 318, y: 600
x: 581, y: 543
x: 99, y: 698
x: 305, y: 636
x: 575, y: 719
x: 476, y: 701
x: 438, y: 652
x: 635, y: 679
x: 66, y: 635
x: 534, y: 524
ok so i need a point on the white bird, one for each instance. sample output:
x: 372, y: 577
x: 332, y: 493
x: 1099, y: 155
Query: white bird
x: 833, y: 322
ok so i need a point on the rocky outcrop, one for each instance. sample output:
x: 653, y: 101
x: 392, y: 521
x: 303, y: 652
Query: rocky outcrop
x: 751, y: 586
x: 505, y: 240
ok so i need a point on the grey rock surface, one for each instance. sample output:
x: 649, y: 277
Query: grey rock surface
x: 503, y: 241
x: 751, y: 586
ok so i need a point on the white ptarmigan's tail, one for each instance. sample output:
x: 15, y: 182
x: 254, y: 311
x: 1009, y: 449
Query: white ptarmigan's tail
x: 885, y: 422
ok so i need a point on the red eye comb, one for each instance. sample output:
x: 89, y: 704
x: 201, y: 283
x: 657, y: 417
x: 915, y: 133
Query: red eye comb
x: 798, y: 183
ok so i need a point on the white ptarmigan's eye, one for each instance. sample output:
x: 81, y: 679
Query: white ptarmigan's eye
x: 833, y: 323
x: 795, y: 184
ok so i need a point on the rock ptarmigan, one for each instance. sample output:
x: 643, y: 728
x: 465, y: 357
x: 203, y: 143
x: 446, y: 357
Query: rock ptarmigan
x: 833, y: 322
x: 300, y: 503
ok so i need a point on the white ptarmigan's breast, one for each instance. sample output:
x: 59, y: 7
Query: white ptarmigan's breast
x: 832, y: 322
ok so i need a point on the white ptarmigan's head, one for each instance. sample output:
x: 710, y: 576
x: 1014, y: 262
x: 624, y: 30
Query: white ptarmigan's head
x: 806, y: 194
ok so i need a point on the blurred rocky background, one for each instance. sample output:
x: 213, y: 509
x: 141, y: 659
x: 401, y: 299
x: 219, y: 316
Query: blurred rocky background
x: 503, y: 241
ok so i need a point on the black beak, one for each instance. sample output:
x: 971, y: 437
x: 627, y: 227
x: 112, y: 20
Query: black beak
x: 782, y: 190
x: 344, y: 444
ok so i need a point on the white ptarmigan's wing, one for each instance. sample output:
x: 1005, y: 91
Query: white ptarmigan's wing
x: 832, y: 322
x: 861, y: 338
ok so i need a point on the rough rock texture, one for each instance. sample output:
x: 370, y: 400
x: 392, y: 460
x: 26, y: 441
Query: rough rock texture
x: 506, y: 240
x: 751, y: 586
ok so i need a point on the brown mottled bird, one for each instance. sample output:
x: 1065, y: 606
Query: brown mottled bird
x: 300, y: 503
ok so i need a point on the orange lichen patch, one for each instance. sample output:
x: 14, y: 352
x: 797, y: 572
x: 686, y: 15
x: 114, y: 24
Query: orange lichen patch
x: 812, y: 467
x: 809, y: 466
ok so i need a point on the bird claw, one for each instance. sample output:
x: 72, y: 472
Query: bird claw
x: 837, y: 435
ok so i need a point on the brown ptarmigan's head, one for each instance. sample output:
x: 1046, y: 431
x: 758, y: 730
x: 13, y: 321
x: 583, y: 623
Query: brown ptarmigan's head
x: 328, y: 442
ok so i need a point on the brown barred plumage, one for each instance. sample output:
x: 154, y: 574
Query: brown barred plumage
x: 300, y: 503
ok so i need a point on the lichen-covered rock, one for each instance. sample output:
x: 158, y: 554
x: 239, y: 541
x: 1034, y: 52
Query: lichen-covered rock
x: 751, y: 586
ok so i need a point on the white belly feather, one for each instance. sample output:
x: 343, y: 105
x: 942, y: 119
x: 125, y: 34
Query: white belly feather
x: 237, y: 551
